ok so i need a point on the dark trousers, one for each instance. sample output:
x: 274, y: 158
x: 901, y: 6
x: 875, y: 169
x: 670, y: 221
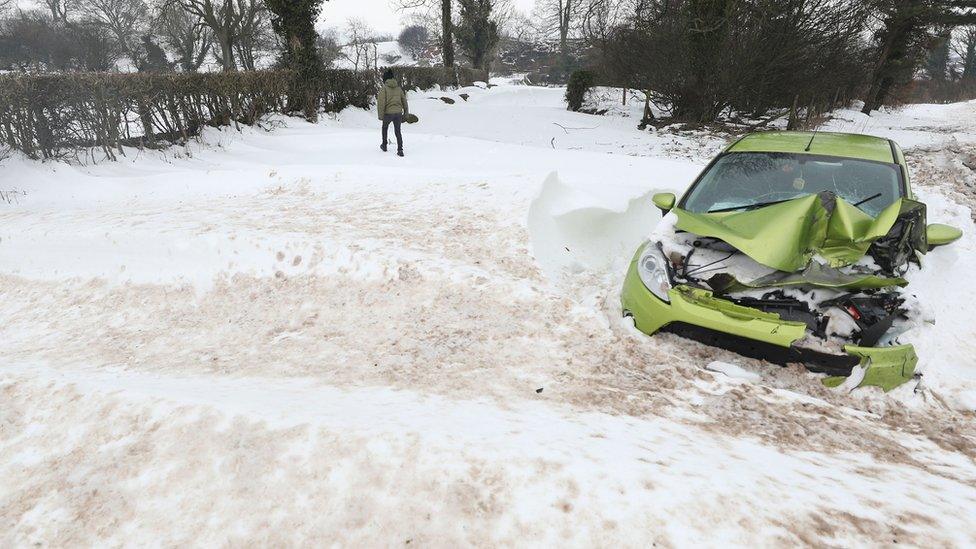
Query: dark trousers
x: 397, y: 119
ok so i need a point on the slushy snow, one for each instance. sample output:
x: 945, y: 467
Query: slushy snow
x: 284, y: 336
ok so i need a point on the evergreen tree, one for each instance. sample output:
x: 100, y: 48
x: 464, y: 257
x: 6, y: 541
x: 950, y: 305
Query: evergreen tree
x: 477, y: 32
x: 447, y: 33
x: 902, y: 43
x: 294, y: 21
x: 154, y: 59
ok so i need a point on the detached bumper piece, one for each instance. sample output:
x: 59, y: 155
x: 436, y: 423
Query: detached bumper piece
x: 887, y: 367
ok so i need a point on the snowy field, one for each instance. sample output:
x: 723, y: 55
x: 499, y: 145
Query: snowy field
x: 283, y: 336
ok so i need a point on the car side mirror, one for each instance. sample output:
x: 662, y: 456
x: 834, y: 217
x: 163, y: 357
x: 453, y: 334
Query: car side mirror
x: 664, y: 202
x: 938, y: 234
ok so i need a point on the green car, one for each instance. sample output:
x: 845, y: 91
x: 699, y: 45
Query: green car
x: 792, y: 247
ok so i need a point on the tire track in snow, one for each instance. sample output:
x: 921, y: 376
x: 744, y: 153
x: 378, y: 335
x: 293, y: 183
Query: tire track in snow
x: 595, y: 470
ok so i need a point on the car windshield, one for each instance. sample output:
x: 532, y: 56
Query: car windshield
x: 743, y: 180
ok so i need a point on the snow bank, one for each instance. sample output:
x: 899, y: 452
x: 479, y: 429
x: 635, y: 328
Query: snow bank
x: 946, y: 341
x: 573, y: 231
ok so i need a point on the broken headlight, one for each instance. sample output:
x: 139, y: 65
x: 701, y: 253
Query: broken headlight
x: 652, y: 268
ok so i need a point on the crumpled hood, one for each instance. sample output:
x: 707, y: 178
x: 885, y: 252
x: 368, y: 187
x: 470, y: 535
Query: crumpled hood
x: 786, y: 236
x: 391, y: 83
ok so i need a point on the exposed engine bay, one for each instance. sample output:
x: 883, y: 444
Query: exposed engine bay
x: 834, y: 318
x: 842, y: 302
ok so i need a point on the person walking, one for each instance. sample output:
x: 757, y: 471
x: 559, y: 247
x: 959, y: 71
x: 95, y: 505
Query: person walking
x: 391, y: 106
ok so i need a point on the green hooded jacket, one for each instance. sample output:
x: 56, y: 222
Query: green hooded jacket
x: 391, y: 99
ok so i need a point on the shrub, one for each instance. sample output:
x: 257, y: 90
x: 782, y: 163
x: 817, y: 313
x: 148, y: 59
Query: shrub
x: 48, y: 116
x: 55, y: 115
x: 425, y: 78
x: 704, y: 59
x: 937, y: 91
x: 580, y: 82
x: 414, y: 39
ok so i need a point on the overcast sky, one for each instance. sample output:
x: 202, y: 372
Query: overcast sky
x: 378, y: 13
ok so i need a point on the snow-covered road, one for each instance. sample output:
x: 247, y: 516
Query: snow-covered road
x: 297, y: 462
x: 288, y: 337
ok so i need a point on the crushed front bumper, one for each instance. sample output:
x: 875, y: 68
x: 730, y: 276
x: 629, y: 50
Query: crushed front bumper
x: 696, y: 314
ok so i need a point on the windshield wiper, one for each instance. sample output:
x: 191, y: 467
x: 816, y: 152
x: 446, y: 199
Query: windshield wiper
x: 764, y: 204
x: 751, y: 206
x: 868, y: 199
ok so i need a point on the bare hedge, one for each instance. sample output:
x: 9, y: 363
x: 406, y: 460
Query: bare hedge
x: 424, y: 78
x: 58, y: 115
x: 938, y: 91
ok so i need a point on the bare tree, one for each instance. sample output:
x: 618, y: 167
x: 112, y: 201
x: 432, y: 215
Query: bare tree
x: 599, y: 18
x: 125, y: 20
x: 94, y: 46
x: 60, y: 9
x: 446, y: 18
x: 702, y: 59
x: 329, y: 47
x: 185, y: 34
x: 517, y: 27
x: 964, y: 47
x: 5, y: 5
x: 254, y: 35
x: 560, y: 18
x: 361, y: 48
x: 225, y: 18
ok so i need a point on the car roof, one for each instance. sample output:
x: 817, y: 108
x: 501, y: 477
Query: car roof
x: 846, y: 145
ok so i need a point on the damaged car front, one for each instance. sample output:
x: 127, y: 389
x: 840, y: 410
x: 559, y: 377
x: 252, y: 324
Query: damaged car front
x: 792, y: 255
